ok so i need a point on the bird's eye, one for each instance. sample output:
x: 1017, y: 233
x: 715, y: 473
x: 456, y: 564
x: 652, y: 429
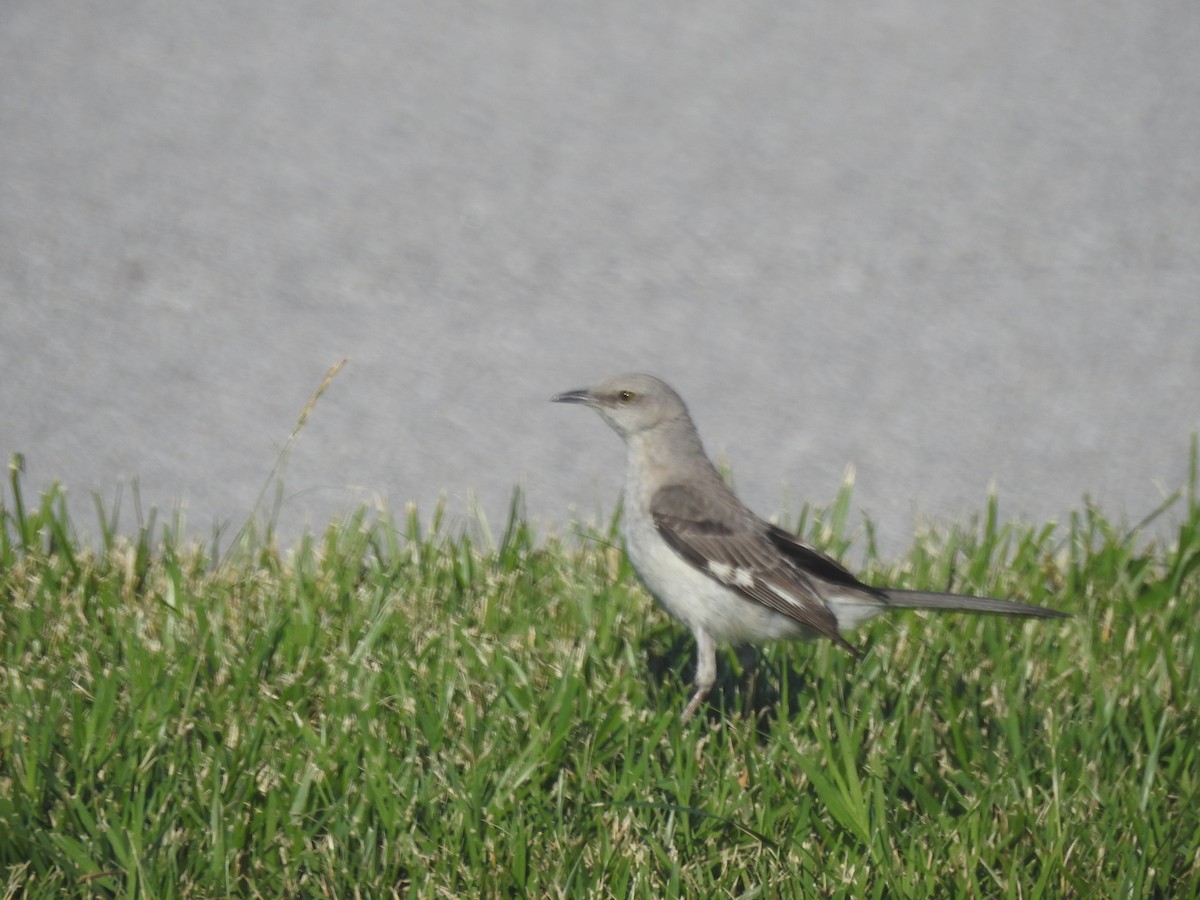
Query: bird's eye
x: 626, y: 396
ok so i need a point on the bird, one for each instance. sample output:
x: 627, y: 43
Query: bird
x: 714, y: 565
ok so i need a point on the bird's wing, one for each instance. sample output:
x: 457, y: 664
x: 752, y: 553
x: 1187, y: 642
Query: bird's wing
x: 811, y: 560
x: 733, y: 546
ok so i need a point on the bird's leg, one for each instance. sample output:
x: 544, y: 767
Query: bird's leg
x: 706, y: 672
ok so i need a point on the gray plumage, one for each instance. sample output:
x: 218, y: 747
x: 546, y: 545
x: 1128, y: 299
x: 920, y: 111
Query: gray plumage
x: 728, y: 575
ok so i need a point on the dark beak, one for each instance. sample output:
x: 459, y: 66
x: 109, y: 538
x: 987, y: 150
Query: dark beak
x: 583, y: 395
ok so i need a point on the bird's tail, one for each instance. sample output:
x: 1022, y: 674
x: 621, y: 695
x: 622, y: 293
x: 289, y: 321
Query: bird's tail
x: 963, y: 603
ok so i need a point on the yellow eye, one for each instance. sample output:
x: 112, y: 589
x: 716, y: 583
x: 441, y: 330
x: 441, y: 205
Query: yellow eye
x: 626, y: 396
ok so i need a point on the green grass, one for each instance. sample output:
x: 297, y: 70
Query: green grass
x: 390, y: 709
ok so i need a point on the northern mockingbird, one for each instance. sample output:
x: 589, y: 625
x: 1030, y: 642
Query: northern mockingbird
x: 713, y: 564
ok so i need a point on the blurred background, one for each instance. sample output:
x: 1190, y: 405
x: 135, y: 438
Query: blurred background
x: 950, y: 245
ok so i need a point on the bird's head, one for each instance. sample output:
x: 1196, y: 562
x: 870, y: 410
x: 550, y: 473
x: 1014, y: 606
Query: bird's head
x: 631, y: 404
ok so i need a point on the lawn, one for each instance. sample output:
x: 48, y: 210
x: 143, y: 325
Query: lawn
x: 394, y: 707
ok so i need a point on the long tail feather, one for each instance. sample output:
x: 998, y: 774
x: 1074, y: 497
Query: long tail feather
x: 963, y: 603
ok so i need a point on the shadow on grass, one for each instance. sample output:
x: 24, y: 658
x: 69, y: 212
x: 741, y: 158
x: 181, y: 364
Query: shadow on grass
x: 749, y: 685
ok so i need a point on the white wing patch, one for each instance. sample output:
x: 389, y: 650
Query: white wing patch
x: 721, y: 571
x: 728, y: 574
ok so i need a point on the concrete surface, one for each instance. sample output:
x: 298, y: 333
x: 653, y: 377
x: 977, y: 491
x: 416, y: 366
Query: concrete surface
x: 949, y: 244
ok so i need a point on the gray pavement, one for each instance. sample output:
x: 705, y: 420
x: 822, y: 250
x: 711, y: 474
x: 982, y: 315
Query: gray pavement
x: 952, y: 244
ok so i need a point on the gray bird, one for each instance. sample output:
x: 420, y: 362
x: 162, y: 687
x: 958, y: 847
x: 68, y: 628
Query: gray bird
x: 714, y: 565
